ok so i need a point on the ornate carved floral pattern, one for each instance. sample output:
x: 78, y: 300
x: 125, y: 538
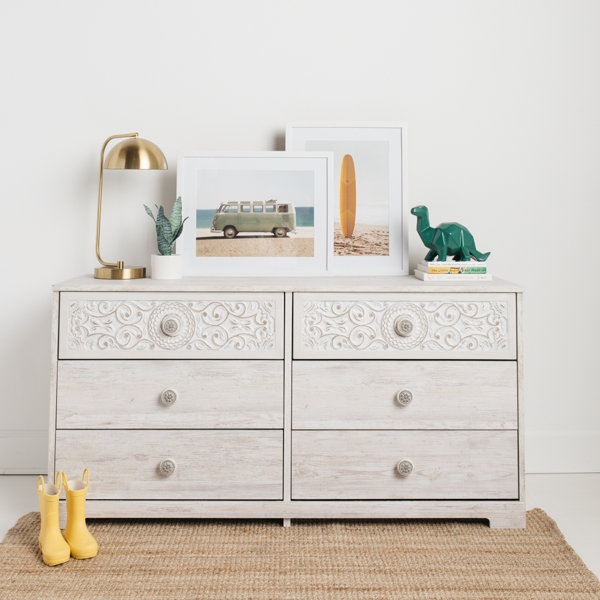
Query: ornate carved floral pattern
x: 195, y: 325
x: 171, y: 325
x: 399, y: 313
x: 480, y: 326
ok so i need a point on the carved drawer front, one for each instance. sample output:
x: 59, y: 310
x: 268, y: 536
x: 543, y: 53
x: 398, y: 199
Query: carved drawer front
x: 169, y: 394
x: 404, y: 465
x: 475, y: 326
x: 404, y: 394
x: 170, y: 325
x: 169, y: 465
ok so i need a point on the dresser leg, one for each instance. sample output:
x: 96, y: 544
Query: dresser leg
x: 514, y: 520
x: 286, y: 522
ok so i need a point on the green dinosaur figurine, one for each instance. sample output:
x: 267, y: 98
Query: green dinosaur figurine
x: 447, y: 239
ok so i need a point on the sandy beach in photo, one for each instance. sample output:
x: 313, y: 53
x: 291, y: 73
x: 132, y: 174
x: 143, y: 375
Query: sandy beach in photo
x: 367, y: 240
x: 300, y: 243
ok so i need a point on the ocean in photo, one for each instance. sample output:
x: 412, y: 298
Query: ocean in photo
x: 305, y: 217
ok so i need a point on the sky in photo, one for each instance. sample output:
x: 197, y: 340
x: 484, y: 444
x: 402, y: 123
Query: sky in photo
x: 216, y: 186
x: 371, y: 165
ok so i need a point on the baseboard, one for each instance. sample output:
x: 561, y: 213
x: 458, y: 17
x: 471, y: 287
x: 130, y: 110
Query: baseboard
x: 565, y: 452
x: 23, y: 451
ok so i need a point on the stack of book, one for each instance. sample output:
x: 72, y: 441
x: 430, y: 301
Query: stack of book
x: 450, y: 270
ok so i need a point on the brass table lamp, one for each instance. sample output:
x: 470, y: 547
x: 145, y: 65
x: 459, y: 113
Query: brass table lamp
x: 132, y: 153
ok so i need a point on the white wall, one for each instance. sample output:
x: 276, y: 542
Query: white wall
x: 502, y: 101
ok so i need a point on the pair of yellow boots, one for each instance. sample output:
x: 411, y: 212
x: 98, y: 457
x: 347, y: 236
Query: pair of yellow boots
x: 77, y: 541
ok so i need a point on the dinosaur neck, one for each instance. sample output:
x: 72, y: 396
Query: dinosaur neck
x: 424, y: 230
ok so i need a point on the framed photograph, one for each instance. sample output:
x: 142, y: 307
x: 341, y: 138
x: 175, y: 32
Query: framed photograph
x: 367, y: 224
x: 263, y: 213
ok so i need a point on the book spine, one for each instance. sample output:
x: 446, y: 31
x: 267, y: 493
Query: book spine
x: 446, y: 277
x: 453, y: 263
x: 452, y: 269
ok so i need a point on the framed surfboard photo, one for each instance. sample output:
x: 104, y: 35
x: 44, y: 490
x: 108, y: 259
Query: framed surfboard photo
x: 366, y: 217
x: 255, y: 214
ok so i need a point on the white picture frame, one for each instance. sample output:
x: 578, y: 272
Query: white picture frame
x: 362, y: 137
x: 205, y: 180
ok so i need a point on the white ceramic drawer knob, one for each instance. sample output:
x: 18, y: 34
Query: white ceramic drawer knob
x: 403, y: 326
x: 170, y: 325
x: 404, y: 397
x: 168, y: 397
x: 404, y: 468
x: 167, y: 467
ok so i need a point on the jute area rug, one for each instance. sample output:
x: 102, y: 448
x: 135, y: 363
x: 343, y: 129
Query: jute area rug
x: 247, y: 560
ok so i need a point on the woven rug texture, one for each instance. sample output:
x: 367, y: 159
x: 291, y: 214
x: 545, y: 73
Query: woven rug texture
x: 246, y: 560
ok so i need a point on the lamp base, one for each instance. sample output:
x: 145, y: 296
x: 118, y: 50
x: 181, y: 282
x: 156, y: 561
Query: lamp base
x: 120, y: 273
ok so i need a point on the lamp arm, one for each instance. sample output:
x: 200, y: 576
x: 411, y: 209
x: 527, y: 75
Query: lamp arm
x: 118, y: 264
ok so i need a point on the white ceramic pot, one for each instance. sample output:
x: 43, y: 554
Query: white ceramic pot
x: 166, y: 267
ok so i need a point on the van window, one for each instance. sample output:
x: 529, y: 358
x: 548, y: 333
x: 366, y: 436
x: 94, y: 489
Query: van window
x: 230, y: 209
x: 269, y: 208
x: 245, y: 208
x: 282, y: 209
x: 257, y: 209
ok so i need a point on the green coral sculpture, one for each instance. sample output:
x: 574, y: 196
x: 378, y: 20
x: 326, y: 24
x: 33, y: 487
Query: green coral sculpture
x: 167, y: 230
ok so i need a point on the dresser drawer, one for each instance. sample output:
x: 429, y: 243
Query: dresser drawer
x: 446, y: 326
x: 209, y: 465
x: 363, y: 465
x: 173, y: 325
x: 169, y: 394
x: 404, y: 394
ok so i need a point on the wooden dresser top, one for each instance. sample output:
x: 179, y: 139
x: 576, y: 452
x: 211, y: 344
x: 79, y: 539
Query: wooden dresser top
x: 406, y: 284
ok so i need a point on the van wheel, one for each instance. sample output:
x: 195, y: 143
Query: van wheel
x: 280, y: 232
x: 230, y: 232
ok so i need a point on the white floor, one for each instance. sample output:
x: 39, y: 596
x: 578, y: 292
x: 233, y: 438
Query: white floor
x: 573, y: 501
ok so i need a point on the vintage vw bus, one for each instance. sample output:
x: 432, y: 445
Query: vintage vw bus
x: 271, y: 216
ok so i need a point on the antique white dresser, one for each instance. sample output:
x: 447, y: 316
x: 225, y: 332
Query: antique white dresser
x: 291, y: 398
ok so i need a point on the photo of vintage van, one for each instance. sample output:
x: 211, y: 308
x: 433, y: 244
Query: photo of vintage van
x: 271, y: 216
x: 255, y: 212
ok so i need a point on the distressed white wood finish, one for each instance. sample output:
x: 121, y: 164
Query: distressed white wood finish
x: 520, y: 387
x: 126, y: 394
x: 448, y: 465
x: 286, y: 284
x: 287, y: 426
x: 53, y: 382
x: 500, y: 514
x: 211, y: 464
x: 351, y: 394
x: 132, y: 325
x: 473, y: 326
x: 220, y: 474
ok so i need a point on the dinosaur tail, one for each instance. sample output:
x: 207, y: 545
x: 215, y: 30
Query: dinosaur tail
x: 480, y: 256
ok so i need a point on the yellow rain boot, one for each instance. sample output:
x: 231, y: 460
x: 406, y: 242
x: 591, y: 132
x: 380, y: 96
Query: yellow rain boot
x: 55, y: 550
x: 82, y: 542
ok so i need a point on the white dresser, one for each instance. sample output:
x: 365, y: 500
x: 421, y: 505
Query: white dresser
x: 344, y: 397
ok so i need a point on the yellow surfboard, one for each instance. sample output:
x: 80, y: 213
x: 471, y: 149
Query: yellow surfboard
x: 347, y: 196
